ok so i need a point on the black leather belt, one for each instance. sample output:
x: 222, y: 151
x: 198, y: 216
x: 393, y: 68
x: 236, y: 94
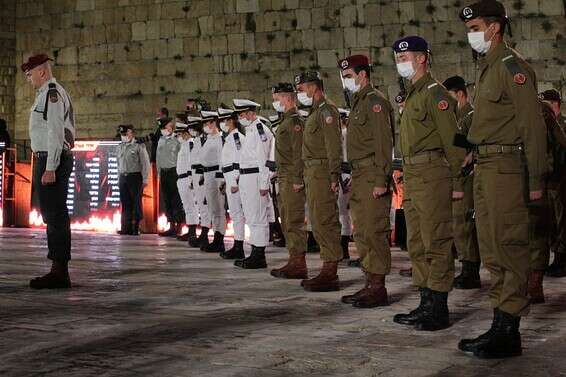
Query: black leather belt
x: 198, y: 168
x: 249, y: 171
x: 228, y: 169
x: 219, y: 175
x: 207, y: 169
x: 187, y: 174
x: 42, y: 154
x: 271, y: 165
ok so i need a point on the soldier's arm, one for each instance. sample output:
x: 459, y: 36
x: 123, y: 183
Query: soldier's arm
x: 262, y: 155
x: 380, y: 120
x: 144, y: 158
x: 56, y: 129
x: 521, y: 87
x: 332, y: 140
x: 297, y: 140
x: 443, y: 111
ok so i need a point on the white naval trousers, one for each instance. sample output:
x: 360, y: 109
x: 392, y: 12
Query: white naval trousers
x: 188, y: 199
x: 215, y: 201
x: 236, y: 210
x: 201, y: 201
x: 255, y: 209
x: 344, y: 212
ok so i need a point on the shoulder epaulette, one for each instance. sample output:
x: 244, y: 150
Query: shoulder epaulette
x: 261, y: 131
x: 511, y: 64
x: 237, y: 141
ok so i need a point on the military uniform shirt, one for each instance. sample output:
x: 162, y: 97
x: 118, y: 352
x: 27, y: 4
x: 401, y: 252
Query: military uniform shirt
x: 288, y: 147
x: 167, y: 150
x: 231, y: 156
x: 133, y: 158
x: 184, y: 157
x: 429, y: 123
x: 370, y: 133
x: 256, y: 149
x: 322, y: 136
x: 507, y: 111
x: 52, y: 123
x: 211, y: 152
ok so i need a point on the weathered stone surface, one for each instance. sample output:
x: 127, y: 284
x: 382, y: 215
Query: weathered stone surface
x: 239, y: 36
x: 150, y: 306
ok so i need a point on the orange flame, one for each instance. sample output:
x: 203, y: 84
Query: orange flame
x: 94, y: 223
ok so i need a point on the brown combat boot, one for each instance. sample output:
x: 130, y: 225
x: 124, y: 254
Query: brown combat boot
x: 326, y: 281
x: 296, y: 268
x: 350, y: 299
x: 375, y: 295
x: 534, y: 289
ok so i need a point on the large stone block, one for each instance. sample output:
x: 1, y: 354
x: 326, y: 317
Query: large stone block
x: 247, y: 6
x: 139, y: 31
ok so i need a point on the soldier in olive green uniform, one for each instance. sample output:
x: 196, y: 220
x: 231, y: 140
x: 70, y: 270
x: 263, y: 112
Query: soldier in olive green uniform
x: 369, y: 151
x: 542, y: 215
x: 465, y: 236
x: 431, y: 167
x: 291, y: 197
x: 508, y: 130
x: 557, y: 191
x: 322, y: 156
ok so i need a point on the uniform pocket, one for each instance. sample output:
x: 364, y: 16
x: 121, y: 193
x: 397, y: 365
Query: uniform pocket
x: 515, y: 229
x: 493, y: 94
x: 437, y: 173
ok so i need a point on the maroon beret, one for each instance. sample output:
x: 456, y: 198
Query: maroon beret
x: 34, y: 61
x: 353, y: 61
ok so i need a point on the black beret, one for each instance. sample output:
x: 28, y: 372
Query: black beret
x: 123, y: 128
x: 283, y: 87
x: 411, y: 43
x: 308, y: 76
x: 550, y: 95
x: 455, y: 83
x: 483, y: 8
x: 162, y: 122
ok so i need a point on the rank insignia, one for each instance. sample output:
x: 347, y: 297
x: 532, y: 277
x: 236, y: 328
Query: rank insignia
x: 443, y: 105
x: 520, y: 78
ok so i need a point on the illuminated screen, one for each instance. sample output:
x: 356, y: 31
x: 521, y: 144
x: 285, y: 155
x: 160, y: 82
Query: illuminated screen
x: 93, y: 198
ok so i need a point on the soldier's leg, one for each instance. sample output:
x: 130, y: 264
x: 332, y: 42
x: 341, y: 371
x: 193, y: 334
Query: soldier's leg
x: 136, y: 192
x: 205, y: 223
x: 539, y: 240
x: 324, y: 211
x: 505, y: 193
x: 345, y: 220
x: 53, y: 207
x: 126, y: 204
x: 292, y: 211
x: 238, y: 224
x: 324, y: 217
x: 558, y: 266
x: 372, y: 224
x: 255, y: 212
x: 176, y: 203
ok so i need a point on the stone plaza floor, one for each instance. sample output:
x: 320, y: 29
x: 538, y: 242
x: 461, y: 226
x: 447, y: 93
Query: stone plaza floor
x: 149, y: 306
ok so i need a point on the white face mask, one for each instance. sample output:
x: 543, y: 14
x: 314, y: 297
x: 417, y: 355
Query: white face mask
x: 304, y: 99
x: 207, y: 130
x: 406, y: 70
x: 244, y: 122
x: 478, y: 43
x: 193, y: 133
x: 278, y: 107
x: 125, y: 138
x: 224, y: 127
x: 350, y: 84
x: 165, y: 133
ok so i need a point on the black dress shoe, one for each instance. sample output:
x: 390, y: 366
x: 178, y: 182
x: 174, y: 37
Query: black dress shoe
x: 256, y: 260
x: 236, y: 252
x: 217, y: 245
x: 50, y: 281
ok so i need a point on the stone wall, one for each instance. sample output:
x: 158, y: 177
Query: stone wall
x: 122, y: 59
x: 7, y: 61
